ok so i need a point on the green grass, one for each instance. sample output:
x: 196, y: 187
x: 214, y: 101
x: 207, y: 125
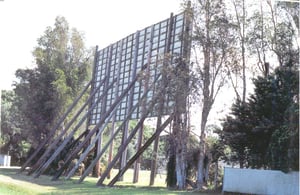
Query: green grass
x: 21, y: 184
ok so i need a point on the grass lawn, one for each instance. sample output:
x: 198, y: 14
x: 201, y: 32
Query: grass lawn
x: 19, y: 184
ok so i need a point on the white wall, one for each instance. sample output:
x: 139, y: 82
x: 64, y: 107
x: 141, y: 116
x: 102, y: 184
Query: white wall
x: 265, y: 182
x: 4, y: 160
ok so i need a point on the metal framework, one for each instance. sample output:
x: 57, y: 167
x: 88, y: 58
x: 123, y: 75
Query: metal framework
x: 123, y: 59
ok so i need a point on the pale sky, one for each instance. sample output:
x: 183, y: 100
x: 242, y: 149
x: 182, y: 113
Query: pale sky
x: 103, y: 22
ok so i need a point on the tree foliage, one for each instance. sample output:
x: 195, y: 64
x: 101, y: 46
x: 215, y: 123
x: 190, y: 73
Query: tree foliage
x: 212, y: 47
x: 43, y: 92
x: 12, y: 142
x: 263, y: 132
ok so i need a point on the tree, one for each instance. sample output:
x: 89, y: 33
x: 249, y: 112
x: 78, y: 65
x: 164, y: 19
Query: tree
x: 216, y: 150
x: 273, y: 32
x: 42, y: 93
x: 263, y: 132
x: 12, y: 141
x: 211, y: 45
x: 177, y: 90
x: 236, y: 128
x: 240, y: 15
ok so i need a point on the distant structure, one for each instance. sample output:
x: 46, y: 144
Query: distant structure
x: 127, y: 84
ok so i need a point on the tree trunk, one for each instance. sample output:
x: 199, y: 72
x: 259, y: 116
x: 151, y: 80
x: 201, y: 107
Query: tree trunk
x: 216, y: 175
x: 96, y: 171
x: 200, y: 176
x: 180, y: 171
x: 206, y: 164
x: 180, y: 138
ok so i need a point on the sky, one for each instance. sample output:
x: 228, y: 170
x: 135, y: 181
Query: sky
x: 103, y: 22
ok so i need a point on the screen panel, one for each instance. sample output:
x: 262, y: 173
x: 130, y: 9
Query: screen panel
x: 124, y: 59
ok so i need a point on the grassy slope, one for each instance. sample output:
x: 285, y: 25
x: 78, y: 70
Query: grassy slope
x: 13, y: 184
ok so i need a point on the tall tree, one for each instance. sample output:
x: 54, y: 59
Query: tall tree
x: 263, y: 132
x: 11, y: 140
x: 42, y: 93
x: 177, y: 78
x: 212, y: 45
x: 240, y: 17
x: 273, y: 32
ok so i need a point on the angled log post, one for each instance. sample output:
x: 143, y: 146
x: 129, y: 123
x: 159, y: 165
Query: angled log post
x: 93, y: 82
x: 54, y: 129
x: 54, y: 144
x: 61, y: 147
x: 113, y: 106
x: 121, y: 150
x: 92, y: 143
x: 143, y: 148
x: 93, y: 163
x: 125, y: 144
x: 89, y: 169
x: 66, y: 140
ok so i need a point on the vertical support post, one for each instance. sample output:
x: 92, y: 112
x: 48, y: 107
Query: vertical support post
x: 155, y: 155
x: 146, y: 87
x: 123, y: 156
x: 161, y: 102
x: 111, y: 146
x: 137, y: 164
x: 96, y: 172
x: 93, y: 86
x: 138, y: 153
x: 130, y: 97
x: 116, y: 74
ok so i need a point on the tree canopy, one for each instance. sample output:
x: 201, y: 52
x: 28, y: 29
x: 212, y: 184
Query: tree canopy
x: 263, y: 132
x: 43, y: 92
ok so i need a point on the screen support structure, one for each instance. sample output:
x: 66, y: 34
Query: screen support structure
x: 176, y: 26
x: 127, y: 84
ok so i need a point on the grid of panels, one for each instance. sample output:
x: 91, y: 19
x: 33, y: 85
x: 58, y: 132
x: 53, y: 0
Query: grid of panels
x: 123, y: 60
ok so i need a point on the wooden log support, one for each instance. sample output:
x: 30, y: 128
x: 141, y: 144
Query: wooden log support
x: 39, y: 171
x: 54, y: 144
x: 54, y: 129
x: 92, y: 143
x: 96, y: 171
x: 110, y: 154
x: 131, y: 135
x: 121, y: 149
x: 154, y: 154
x: 99, y: 124
x: 161, y: 103
x: 143, y: 148
x: 93, y: 163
